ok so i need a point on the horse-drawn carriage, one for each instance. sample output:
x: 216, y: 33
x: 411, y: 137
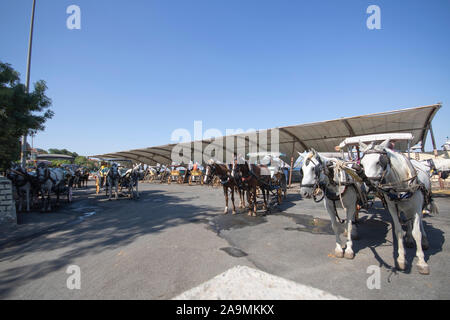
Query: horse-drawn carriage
x: 278, y: 171
x: 41, y: 181
x: 114, y: 175
x: 195, y: 174
x: 177, y: 174
x: 373, y: 164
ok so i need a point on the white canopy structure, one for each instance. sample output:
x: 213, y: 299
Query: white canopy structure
x: 376, y: 138
x: 322, y: 136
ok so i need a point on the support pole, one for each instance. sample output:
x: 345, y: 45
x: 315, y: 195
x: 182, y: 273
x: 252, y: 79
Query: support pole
x: 23, y: 154
x: 292, y: 165
x: 441, y: 183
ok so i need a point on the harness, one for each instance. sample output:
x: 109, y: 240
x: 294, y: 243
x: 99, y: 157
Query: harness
x: 224, y: 179
x: 47, y: 176
x: 322, y: 185
x: 393, y: 190
x: 15, y: 180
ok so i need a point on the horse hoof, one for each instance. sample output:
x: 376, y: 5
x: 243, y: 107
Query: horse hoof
x: 338, y: 253
x: 401, y: 265
x: 254, y: 214
x: 423, y: 269
x: 349, y: 255
x: 234, y: 212
x: 425, y: 243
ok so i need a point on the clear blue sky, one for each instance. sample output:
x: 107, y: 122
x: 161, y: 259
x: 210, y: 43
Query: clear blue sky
x: 137, y: 70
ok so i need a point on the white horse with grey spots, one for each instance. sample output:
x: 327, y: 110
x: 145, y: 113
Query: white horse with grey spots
x: 112, y: 180
x: 403, y: 189
x: 339, y: 192
x: 50, y: 180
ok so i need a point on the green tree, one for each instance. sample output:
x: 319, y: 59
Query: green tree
x: 62, y: 151
x: 20, y: 112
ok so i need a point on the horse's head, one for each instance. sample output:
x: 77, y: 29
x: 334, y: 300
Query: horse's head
x: 311, y: 169
x: 301, y: 158
x: 42, y: 173
x: 375, y: 160
x: 209, y: 171
x: 240, y: 167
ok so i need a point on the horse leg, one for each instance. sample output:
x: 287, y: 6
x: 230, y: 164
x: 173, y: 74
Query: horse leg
x: 137, y: 189
x: 116, y: 185
x: 255, y: 208
x: 225, y: 193
x: 49, y: 199
x: 57, y: 196
x: 425, y: 243
x: 241, y: 198
x: 42, y: 200
x: 20, y: 196
x: 422, y: 266
x: 409, y: 240
x: 401, y: 263
x: 249, y: 201
x: 232, y: 200
x: 28, y: 198
x: 109, y: 189
x: 351, y: 211
x: 338, y: 250
x: 265, y: 193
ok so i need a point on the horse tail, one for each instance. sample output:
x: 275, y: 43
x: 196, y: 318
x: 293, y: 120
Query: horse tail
x: 433, y: 206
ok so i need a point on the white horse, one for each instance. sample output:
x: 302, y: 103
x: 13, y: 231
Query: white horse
x: 395, y: 177
x: 49, y: 180
x: 112, y: 179
x: 131, y: 181
x: 339, y: 191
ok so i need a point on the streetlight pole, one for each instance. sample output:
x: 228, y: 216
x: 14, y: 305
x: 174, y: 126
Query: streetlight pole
x: 23, y: 156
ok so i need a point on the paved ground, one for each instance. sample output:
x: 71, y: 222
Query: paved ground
x: 175, y: 238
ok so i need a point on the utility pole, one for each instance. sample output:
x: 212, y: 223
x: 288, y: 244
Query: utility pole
x: 23, y: 155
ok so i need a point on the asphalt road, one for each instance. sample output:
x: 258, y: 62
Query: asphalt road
x: 176, y: 237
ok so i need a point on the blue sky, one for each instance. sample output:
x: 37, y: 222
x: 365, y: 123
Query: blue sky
x: 137, y: 70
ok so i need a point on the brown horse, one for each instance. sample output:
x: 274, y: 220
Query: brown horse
x: 251, y: 177
x: 228, y: 183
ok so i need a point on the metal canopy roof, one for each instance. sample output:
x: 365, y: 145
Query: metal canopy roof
x: 322, y: 136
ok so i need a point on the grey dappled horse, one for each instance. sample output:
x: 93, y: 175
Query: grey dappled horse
x: 112, y: 179
x: 49, y: 180
x: 403, y: 189
x: 319, y: 172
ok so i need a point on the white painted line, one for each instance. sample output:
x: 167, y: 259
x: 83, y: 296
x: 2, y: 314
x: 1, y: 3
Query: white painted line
x: 244, y: 283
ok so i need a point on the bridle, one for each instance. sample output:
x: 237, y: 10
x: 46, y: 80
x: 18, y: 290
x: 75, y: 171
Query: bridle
x: 384, y: 162
x: 317, y: 168
x: 46, y: 175
x: 224, y: 178
x: 390, y: 189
